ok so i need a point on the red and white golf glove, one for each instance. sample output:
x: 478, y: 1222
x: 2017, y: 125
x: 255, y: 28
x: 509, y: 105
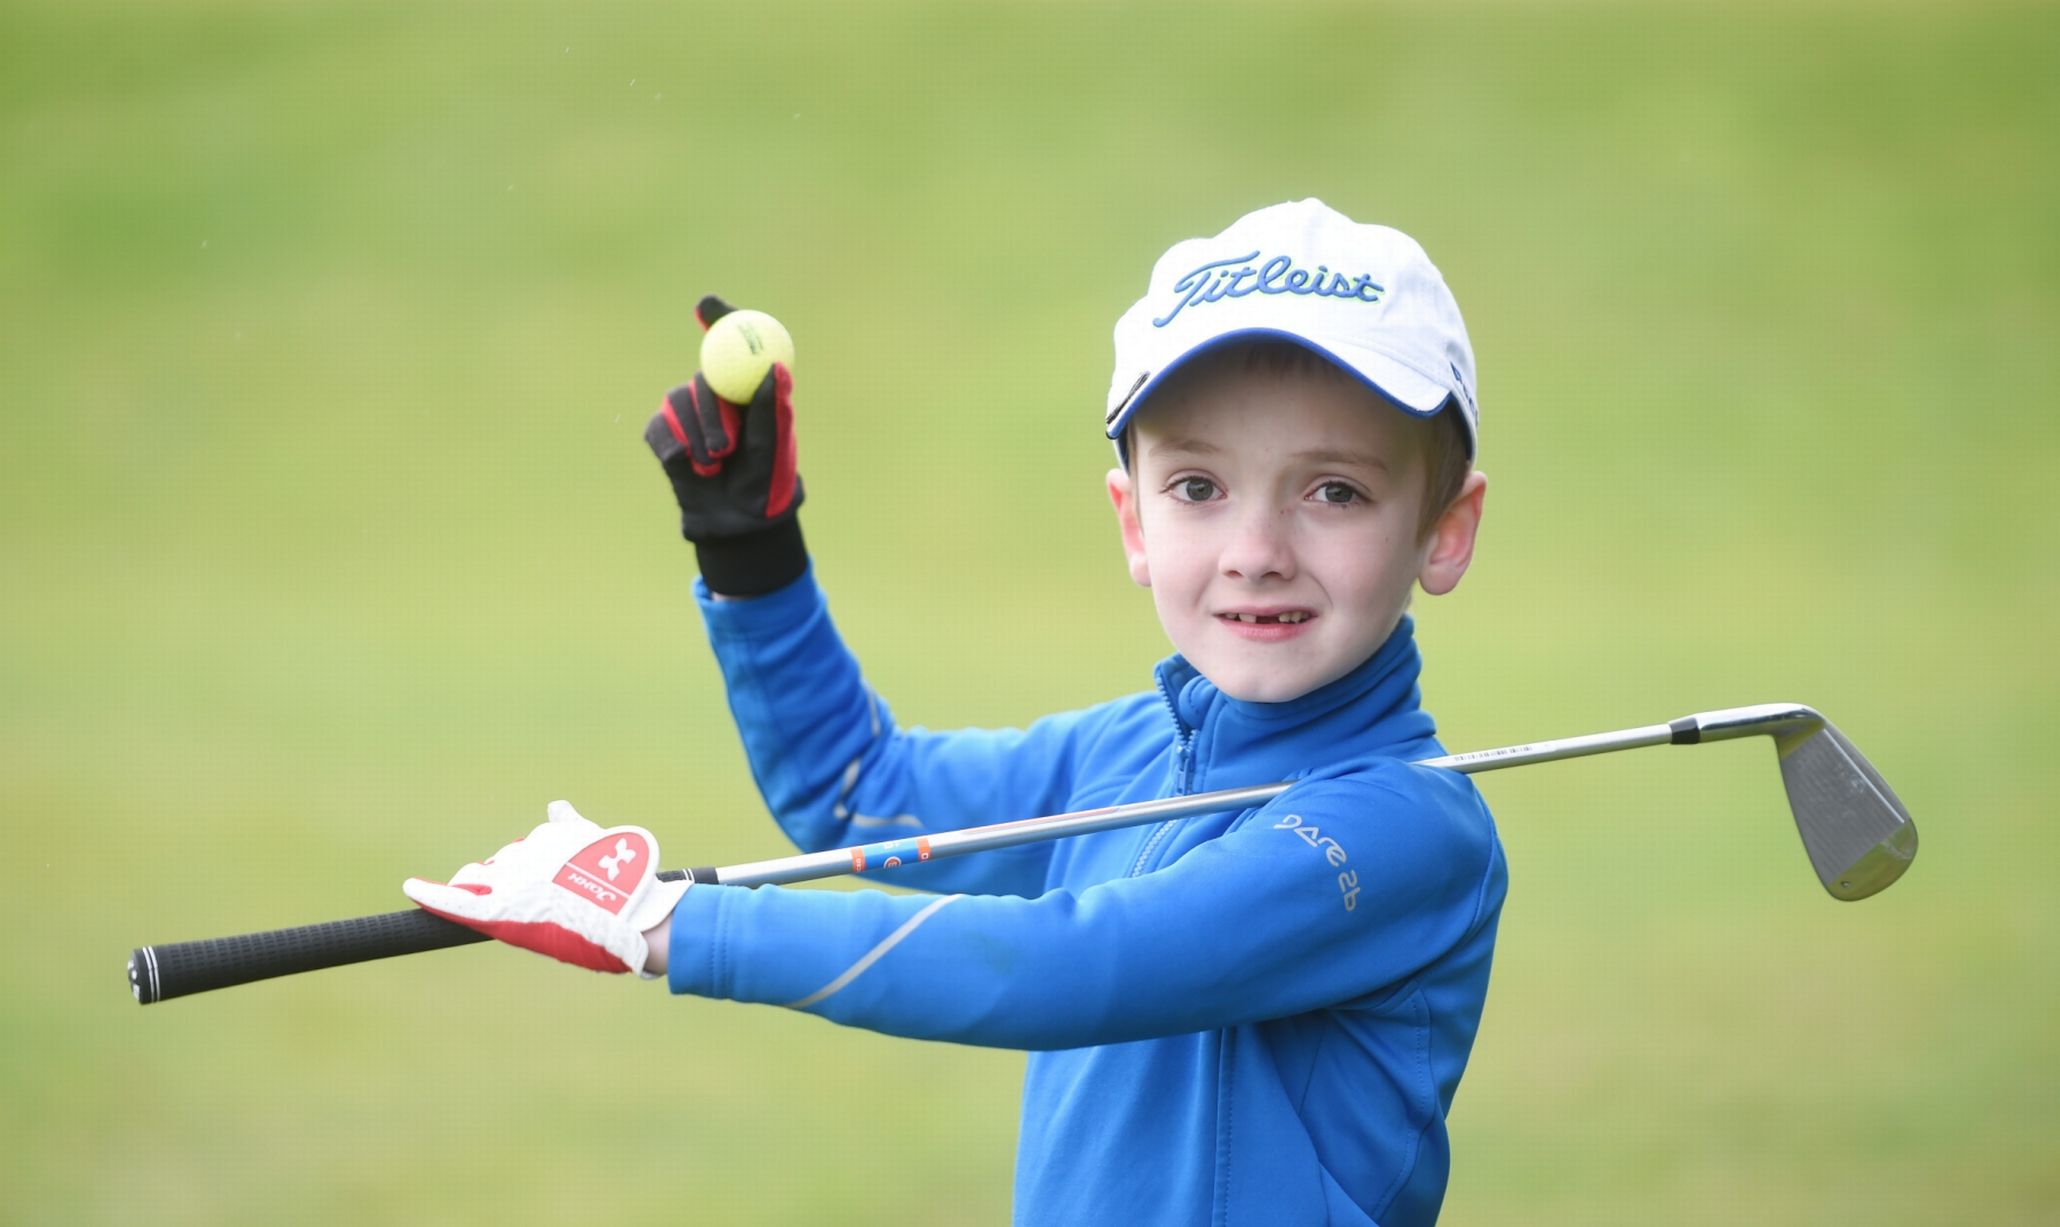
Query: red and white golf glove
x: 570, y: 889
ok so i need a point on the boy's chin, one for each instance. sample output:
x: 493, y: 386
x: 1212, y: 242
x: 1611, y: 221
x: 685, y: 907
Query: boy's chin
x: 1267, y: 675
x: 1249, y: 684
x: 1265, y: 694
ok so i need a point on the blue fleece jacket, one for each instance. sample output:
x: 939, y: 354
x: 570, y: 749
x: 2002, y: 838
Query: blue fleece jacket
x: 1250, y: 1017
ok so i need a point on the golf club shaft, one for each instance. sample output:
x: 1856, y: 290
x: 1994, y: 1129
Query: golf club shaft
x: 177, y: 969
x: 808, y: 866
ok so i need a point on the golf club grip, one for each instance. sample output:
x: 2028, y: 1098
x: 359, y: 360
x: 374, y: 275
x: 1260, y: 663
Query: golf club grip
x: 157, y: 973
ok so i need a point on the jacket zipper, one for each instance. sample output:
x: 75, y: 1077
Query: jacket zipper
x: 1183, y: 779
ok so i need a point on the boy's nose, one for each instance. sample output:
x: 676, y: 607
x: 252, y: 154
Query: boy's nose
x: 1261, y: 546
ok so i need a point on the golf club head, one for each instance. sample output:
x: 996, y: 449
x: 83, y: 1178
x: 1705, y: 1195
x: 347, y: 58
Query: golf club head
x: 1859, y: 836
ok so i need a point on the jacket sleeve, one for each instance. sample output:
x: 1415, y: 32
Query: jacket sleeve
x: 1333, y: 892
x: 835, y: 770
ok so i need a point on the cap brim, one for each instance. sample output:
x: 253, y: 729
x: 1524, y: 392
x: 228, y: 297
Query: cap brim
x: 1398, y: 384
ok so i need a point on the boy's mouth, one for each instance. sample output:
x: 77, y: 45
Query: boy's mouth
x: 1268, y: 626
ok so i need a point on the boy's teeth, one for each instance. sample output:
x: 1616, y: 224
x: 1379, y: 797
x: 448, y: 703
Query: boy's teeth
x: 1290, y: 618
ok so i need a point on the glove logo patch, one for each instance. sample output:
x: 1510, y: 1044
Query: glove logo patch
x: 593, y: 874
x: 624, y: 854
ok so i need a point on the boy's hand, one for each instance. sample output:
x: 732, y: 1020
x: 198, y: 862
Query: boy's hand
x: 732, y: 466
x: 571, y: 890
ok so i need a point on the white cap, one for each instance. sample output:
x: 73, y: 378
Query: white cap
x: 1365, y: 297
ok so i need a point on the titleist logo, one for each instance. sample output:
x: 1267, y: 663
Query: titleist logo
x: 1242, y: 275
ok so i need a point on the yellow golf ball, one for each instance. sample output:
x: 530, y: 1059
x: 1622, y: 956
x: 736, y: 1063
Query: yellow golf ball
x: 739, y: 349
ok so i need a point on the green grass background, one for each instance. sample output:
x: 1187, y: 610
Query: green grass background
x: 329, y: 552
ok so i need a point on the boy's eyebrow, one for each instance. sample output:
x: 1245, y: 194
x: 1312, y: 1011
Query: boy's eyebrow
x: 1313, y: 455
x: 1344, y: 456
x: 1189, y: 447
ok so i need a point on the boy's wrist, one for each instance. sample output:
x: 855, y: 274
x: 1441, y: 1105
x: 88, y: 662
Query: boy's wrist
x: 755, y: 563
x: 658, y: 947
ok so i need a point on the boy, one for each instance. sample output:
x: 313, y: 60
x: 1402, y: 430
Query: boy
x: 1254, y: 1017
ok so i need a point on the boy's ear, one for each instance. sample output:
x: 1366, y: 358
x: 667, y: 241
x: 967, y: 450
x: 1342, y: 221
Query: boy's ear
x: 1123, y: 493
x: 1450, y: 548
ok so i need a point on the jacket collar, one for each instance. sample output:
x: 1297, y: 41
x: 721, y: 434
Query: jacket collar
x: 1379, y: 692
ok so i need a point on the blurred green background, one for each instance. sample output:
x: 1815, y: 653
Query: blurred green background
x: 331, y: 553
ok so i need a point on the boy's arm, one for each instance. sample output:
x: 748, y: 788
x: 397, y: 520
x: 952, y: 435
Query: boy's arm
x: 827, y: 757
x: 1335, y: 891
x: 835, y: 769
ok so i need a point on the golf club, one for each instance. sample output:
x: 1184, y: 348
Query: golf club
x: 1858, y: 836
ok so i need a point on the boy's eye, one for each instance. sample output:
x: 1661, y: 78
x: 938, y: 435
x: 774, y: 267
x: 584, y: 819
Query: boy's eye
x: 1336, y: 492
x: 1193, y: 489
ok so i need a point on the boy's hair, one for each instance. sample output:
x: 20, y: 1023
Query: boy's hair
x: 1446, y: 459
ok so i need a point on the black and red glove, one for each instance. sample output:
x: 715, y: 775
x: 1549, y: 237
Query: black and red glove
x: 732, y: 470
